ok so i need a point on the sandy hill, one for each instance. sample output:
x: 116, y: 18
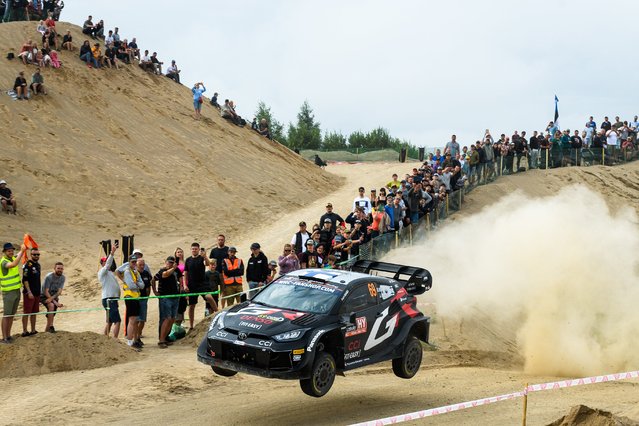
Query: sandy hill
x: 110, y: 152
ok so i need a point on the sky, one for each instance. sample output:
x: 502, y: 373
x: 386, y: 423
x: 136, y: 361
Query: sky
x: 421, y: 69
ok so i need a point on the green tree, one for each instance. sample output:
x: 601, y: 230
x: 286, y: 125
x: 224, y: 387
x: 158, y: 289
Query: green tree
x: 277, y: 128
x: 334, y: 141
x: 357, y: 140
x: 306, y: 134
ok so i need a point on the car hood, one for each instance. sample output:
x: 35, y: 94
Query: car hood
x: 259, y: 319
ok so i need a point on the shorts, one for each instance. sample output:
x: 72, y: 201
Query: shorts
x: 113, y: 313
x: 232, y: 289
x: 168, y: 308
x: 43, y: 299
x: 197, y: 105
x: 182, y: 304
x: 197, y: 289
x: 31, y: 306
x: 143, y: 308
x: 10, y: 301
x: 132, y: 307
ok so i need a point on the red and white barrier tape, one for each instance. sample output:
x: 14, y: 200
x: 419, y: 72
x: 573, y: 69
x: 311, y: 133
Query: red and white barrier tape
x: 485, y: 401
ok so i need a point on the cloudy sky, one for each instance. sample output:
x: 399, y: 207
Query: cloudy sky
x: 421, y: 69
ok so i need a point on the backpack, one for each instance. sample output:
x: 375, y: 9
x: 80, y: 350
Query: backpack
x: 10, y: 56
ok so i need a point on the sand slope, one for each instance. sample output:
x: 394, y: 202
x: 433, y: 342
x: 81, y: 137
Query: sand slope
x: 119, y: 152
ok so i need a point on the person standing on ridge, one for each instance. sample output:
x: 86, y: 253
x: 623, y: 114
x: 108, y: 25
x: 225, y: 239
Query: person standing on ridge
x: 197, y: 90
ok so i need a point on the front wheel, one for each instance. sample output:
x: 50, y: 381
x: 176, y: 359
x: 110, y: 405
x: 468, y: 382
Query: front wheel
x: 408, y: 365
x: 322, y: 376
x: 223, y: 371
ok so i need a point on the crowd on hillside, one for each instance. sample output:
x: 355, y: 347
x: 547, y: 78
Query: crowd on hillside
x: 30, y: 10
x: 329, y: 243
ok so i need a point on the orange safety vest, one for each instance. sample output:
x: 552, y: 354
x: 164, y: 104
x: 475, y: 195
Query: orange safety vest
x: 231, y: 267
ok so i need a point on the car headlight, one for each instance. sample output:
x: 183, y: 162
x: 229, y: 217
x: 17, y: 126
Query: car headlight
x: 218, y: 320
x: 290, y: 335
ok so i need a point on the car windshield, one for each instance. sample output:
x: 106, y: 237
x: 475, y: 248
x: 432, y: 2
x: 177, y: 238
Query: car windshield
x: 299, y: 295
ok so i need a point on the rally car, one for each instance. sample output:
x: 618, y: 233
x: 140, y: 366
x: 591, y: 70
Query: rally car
x: 312, y: 324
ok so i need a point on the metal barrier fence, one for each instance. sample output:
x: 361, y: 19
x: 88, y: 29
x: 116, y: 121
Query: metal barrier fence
x: 354, y: 155
x: 483, y: 174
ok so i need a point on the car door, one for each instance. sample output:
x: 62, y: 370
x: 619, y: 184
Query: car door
x: 363, y: 303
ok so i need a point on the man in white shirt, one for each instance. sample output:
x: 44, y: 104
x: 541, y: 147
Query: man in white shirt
x: 363, y: 201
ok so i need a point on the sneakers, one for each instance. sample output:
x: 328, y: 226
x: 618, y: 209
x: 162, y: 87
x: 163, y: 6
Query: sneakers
x: 162, y: 345
x: 25, y: 334
x: 139, y: 342
x: 136, y: 345
x: 51, y: 329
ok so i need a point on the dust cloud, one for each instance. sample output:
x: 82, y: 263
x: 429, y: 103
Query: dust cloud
x: 563, y: 269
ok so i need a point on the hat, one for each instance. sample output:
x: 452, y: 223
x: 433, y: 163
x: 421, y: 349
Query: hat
x: 358, y: 221
x: 254, y: 246
x: 132, y: 258
x: 170, y: 259
x: 103, y: 259
x: 310, y: 242
x: 233, y: 249
x: 329, y: 205
x: 3, y: 182
x: 302, y: 223
x: 327, y: 220
x: 436, y: 174
x: 136, y: 251
x: 8, y: 246
x: 273, y: 263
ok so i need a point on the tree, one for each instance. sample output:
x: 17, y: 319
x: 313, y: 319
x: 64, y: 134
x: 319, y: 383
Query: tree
x: 277, y: 129
x: 334, y: 141
x: 306, y: 134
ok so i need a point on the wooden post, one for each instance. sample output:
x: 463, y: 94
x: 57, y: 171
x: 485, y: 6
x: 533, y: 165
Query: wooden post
x: 523, y: 421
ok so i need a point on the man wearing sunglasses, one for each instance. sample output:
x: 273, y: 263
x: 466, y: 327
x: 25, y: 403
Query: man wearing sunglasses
x: 31, y: 285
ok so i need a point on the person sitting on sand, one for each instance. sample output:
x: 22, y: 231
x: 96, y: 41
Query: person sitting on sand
x: 97, y: 55
x: 157, y: 65
x: 37, y: 83
x: 263, y: 128
x: 25, y: 52
x: 111, y: 57
x: 67, y: 41
x: 7, y: 198
x: 145, y: 62
x: 133, y: 49
x: 20, y: 87
x: 173, y: 72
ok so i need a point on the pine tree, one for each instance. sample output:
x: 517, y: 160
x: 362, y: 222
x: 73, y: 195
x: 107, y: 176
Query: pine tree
x: 306, y: 134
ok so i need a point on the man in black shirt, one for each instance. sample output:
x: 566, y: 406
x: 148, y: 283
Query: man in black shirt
x: 606, y: 125
x: 168, y: 279
x: 257, y: 267
x: 220, y: 253
x: 31, y: 285
x: 326, y: 235
x: 533, y: 145
x: 334, y: 217
x: 7, y: 198
x: 195, y: 280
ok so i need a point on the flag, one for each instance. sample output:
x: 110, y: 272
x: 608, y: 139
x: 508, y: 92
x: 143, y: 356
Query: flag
x: 556, y: 114
x: 29, y: 243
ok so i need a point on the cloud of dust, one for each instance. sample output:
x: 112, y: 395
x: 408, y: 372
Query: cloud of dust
x: 563, y: 267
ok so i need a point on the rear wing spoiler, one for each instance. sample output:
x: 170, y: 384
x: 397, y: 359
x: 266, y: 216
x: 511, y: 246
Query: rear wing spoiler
x: 416, y: 280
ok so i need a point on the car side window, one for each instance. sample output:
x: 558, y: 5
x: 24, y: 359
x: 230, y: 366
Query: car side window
x: 362, y: 297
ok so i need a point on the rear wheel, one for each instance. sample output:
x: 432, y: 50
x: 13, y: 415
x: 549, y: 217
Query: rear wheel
x: 408, y: 365
x: 322, y: 376
x: 223, y: 371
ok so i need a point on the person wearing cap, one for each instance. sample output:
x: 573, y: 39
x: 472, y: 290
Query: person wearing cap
x: 168, y: 284
x: 97, y: 55
x: 362, y: 201
x: 110, y: 294
x: 195, y: 280
x: 309, y: 259
x: 257, y: 270
x: 7, y: 198
x: 326, y: 235
x: 299, y: 239
x: 232, y: 273
x: 132, y: 284
x: 51, y: 291
x: 31, y: 285
x: 173, y: 72
x: 10, y: 285
x: 334, y: 217
x: 288, y: 260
